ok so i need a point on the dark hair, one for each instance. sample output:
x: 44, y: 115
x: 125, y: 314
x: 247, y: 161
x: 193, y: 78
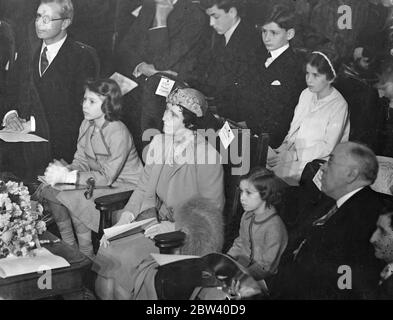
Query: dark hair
x: 366, y: 160
x: 269, y: 186
x: 190, y: 119
x: 322, y: 65
x: 283, y: 15
x: 225, y: 5
x: 111, y: 106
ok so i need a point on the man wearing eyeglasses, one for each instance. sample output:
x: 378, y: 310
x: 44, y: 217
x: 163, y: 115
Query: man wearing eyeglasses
x: 51, y: 88
x: 334, y: 259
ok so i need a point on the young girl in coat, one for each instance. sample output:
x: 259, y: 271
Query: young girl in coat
x: 105, y: 152
x: 262, y: 236
x: 320, y: 122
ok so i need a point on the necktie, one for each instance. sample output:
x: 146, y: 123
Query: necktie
x: 44, y: 61
x: 321, y: 221
x: 269, y: 59
x: 386, y: 273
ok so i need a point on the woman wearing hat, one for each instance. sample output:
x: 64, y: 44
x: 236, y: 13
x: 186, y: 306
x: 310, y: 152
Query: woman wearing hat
x: 180, y: 165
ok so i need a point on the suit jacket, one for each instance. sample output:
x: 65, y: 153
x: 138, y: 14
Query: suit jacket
x: 276, y: 103
x: 226, y: 71
x: 172, y: 48
x: 53, y: 99
x: 342, y: 241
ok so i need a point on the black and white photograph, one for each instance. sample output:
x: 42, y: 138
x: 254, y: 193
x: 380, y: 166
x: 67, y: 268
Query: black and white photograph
x: 227, y: 153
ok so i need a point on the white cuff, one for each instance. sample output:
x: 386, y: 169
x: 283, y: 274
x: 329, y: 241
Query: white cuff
x: 158, y: 27
x: 32, y: 124
x: 136, y: 73
x: 7, y: 114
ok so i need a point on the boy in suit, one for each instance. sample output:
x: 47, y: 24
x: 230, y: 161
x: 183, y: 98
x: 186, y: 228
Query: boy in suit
x: 281, y: 76
x: 228, y: 66
x: 50, y: 88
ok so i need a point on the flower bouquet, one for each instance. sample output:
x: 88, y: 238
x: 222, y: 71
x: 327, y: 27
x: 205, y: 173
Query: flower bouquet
x: 20, y: 222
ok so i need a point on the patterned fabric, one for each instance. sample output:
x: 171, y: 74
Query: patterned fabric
x: 44, y: 63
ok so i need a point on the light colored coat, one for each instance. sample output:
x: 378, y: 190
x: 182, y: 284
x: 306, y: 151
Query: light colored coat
x: 317, y: 127
x: 108, y: 155
x: 187, y: 179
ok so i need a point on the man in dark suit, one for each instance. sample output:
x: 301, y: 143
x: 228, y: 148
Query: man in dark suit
x: 227, y: 68
x: 382, y: 240
x: 334, y: 259
x: 50, y: 90
x: 165, y: 38
x: 281, y: 76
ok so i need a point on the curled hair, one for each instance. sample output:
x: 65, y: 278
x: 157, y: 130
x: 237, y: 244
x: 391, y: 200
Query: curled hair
x: 67, y: 8
x: 366, y: 160
x: 281, y: 14
x: 322, y: 65
x: 269, y: 186
x: 111, y: 106
x: 189, y: 119
x: 225, y: 5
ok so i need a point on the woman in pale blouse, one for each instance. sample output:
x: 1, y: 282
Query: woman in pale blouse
x: 320, y: 122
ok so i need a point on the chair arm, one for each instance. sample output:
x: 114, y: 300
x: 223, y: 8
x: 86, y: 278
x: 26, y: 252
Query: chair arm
x: 113, y: 202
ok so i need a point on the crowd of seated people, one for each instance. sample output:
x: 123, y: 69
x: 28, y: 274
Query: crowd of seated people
x: 313, y: 103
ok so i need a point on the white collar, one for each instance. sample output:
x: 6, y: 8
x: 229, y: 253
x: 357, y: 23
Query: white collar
x: 54, y: 48
x: 276, y: 53
x: 230, y: 31
x: 345, y: 197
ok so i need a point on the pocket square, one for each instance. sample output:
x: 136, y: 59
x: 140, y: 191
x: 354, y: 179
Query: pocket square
x: 276, y: 83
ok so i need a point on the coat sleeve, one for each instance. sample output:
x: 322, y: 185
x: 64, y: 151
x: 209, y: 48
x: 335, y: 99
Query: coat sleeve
x: 168, y: 51
x: 269, y: 245
x: 144, y: 196
x: 211, y: 183
x: 337, y: 127
x: 80, y: 162
x: 120, y: 144
x: 237, y: 248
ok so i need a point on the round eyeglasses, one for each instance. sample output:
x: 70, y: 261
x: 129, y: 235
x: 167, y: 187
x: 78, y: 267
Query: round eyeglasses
x: 47, y: 19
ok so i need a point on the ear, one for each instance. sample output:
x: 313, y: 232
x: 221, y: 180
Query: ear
x: 65, y: 24
x: 352, y: 174
x: 233, y: 12
x: 290, y: 34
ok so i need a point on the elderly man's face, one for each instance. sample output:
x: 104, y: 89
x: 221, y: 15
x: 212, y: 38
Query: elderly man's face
x: 382, y: 239
x: 335, y: 172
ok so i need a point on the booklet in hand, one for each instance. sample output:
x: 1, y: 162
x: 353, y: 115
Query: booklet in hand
x: 124, y: 230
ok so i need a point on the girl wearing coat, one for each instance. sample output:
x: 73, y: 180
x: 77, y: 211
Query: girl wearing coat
x: 320, y: 122
x: 105, y: 152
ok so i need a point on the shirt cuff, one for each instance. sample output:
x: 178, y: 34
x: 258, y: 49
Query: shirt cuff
x: 32, y: 124
x: 7, y: 114
x: 136, y: 73
x: 157, y: 27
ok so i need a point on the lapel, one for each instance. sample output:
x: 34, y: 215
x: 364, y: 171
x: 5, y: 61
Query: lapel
x: 279, y: 61
x: 97, y: 148
x: 175, y: 17
x: 58, y: 62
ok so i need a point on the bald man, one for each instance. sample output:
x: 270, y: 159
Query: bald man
x: 334, y: 259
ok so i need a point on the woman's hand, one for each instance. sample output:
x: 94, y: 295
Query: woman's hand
x: 162, y: 227
x: 126, y: 217
x: 56, y: 172
x: 104, y: 242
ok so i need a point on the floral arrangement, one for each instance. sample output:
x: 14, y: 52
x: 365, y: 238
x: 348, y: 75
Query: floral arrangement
x: 20, y: 222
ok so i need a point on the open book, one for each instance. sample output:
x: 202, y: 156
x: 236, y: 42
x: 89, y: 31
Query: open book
x: 44, y: 260
x: 124, y: 230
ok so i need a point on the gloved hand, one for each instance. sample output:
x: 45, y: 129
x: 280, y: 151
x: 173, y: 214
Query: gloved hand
x: 126, y: 217
x: 162, y: 227
x: 55, y: 173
